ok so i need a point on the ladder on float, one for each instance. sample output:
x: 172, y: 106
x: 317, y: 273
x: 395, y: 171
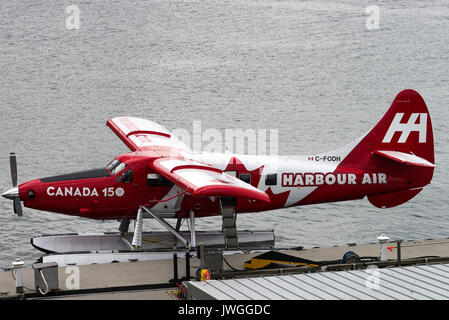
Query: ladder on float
x: 229, y: 217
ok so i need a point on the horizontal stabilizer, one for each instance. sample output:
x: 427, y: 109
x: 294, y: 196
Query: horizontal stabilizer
x: 405, y: 158
x: 392, y: 199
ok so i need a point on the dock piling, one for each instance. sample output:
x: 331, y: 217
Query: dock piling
x: 398, y: 248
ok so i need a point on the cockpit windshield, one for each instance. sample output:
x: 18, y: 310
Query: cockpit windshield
x: 115, y: 166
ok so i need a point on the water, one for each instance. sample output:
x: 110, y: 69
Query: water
x: 311, y: 69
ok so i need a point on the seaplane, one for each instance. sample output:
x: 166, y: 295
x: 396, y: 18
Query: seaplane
x: 161, y: 178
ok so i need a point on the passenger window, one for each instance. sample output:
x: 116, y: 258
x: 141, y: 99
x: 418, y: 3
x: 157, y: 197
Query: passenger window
x: 232, y: 173
x: 156, y: 180
x: 245, y: 177
x: 271, y: 179
x: 127, y: 177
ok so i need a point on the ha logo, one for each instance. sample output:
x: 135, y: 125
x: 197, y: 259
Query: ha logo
x: 406, y: 128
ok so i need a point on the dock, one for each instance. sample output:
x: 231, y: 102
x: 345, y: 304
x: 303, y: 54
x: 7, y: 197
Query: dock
x: 153, y: 280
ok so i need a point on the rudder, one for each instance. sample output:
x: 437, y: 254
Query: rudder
x: 402, y: 145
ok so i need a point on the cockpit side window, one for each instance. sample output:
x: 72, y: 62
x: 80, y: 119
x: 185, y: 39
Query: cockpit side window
x: 115, y: 167
x: 127, y: 176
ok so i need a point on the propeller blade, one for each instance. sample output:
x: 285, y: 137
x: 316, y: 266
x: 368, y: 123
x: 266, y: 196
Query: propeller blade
x: 17, y: 206
x: 13, y: 194
x: 13, y: 164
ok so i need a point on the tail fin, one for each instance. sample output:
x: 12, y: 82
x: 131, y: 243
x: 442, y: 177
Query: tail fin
x: 401, y: 144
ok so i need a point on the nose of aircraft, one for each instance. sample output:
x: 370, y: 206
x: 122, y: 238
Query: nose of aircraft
x: 11, y: 194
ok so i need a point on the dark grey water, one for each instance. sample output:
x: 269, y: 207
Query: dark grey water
x: 311, y: 69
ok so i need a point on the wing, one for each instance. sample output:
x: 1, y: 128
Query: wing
x: 203, y: 180
x: 195, y: 177
x: 142, y: 134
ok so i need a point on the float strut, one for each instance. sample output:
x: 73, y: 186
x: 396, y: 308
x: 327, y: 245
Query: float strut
x: 124, y: 226
x: 137, y: 237
x: 192, y: 229
x: 167, y: 226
